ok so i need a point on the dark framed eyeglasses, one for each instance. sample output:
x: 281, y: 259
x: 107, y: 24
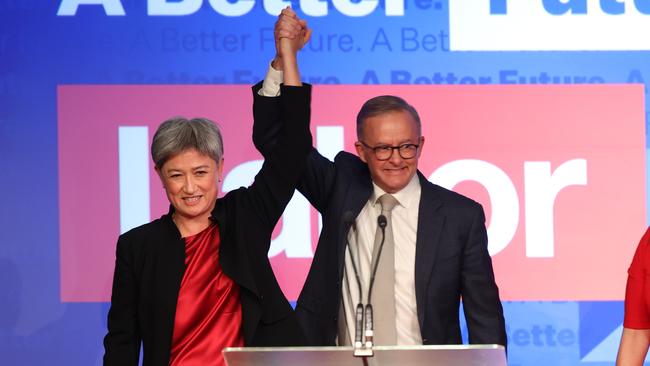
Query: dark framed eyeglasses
x: 384, y: 152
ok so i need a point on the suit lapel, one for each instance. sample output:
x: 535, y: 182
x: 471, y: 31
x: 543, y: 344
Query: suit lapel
x: 427, y: 243
x: 233, y: 259
x: 355, y: 198
x: 170, y: 268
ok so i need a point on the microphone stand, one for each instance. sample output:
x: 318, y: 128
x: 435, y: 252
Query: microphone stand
x: 367, y: 349
x: 360, y: 350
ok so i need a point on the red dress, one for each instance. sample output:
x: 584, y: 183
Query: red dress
x: 637, y: 293
x: 208, y: 311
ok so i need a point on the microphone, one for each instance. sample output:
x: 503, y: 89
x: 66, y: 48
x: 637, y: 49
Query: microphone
x: 369, y: 329
x: 381, y: 222
x: 349, y: 222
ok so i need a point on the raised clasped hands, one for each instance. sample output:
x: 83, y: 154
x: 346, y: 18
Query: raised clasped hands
x: 291, y: 35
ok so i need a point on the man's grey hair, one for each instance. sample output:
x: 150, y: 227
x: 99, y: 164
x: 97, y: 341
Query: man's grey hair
x: 179, y: 134
x: 384, y: 104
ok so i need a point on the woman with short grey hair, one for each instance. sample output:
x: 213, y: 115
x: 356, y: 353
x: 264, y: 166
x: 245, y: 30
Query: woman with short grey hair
x: 178, y: 134
x: 198, y: 279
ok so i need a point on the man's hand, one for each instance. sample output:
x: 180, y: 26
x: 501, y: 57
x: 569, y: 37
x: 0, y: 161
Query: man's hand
x: 291, y: 34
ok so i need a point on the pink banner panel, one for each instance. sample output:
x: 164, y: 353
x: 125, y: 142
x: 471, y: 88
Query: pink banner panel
x: 559, y: 170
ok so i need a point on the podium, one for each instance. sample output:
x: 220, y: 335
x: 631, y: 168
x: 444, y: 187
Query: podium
x: 438, y: 355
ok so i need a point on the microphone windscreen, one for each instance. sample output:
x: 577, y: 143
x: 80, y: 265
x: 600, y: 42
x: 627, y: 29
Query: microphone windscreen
x: 381, y: 221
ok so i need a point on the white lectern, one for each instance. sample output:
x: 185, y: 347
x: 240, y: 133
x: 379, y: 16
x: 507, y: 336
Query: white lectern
x: 443, y: 355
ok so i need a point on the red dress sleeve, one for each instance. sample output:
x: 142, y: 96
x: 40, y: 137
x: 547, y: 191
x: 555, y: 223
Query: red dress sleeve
x: 637, y: 293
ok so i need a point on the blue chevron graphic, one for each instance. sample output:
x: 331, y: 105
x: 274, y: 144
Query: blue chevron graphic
x: 598, y: 320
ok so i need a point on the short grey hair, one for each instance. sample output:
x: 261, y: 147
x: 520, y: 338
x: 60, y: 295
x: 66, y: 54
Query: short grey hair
x: 384, y: 104
x: 179, y: 134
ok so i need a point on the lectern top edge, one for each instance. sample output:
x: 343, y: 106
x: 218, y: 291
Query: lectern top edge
x: 382, y: 348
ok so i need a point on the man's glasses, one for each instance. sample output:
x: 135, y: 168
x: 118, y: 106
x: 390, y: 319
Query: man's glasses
x: 384, y: 152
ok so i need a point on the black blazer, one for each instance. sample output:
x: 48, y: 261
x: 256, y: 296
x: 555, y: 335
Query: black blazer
x: 451, y: 260
x: 150, y: 259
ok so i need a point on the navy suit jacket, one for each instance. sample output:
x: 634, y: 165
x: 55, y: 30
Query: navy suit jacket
x: 451, y: 260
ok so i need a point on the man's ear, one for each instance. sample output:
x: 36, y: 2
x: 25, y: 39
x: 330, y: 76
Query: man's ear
x: 361, y: 151
x: 421, y: 146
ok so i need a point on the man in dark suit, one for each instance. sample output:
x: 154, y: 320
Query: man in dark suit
x: 439, y: 241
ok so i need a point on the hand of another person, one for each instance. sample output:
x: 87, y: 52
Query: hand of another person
x: 291, y: 35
